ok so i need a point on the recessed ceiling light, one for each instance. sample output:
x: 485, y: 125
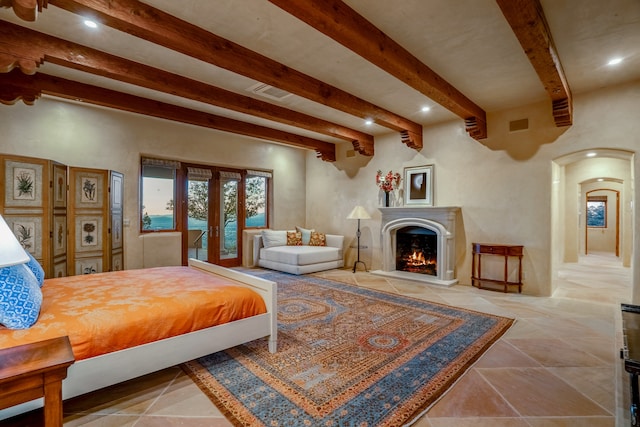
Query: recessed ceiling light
x: 89, y: 23
x: 368, y: 122
x: 591, y: 154
x: 425, y: 109
x: 614, y: 61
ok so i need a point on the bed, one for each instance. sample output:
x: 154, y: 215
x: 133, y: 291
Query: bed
x: 158, y: 346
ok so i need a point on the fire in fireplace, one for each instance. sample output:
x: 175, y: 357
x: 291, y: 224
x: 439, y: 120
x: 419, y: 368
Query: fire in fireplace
x: 417, y: 250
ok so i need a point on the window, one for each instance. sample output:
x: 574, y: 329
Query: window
x: 158, y: 194
x: 256, y: 186
x: 597, y: 211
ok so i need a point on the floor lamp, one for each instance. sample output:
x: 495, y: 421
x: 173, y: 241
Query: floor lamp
x: 358, y: 213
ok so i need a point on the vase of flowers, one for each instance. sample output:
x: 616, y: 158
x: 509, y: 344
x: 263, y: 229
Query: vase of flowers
x: 387, y: 183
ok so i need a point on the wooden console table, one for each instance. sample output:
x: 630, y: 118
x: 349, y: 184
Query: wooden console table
x: 506, y: 251
x: 31, y: 371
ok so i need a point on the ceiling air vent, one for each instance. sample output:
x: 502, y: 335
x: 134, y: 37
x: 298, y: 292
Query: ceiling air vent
x: 269, y: 91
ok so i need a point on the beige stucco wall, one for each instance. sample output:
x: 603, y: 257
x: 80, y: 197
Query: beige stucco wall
x: 505, y: 185
x: 509, y: 186
x: 87, y: 136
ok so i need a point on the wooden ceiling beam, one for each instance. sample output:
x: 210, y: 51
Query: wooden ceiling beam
x: 27, y: 49
x: 529, y: 24
x: 156, y: 26
x: 337, y: 20
x: 16, y: 85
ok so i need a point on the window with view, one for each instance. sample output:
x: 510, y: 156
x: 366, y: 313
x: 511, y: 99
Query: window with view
x: 256, y: 199
x: 158, y: 194
x: 597, y: 211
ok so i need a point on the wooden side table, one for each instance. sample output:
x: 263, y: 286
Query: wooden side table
x: 31, y: 371
x: 506, y: 251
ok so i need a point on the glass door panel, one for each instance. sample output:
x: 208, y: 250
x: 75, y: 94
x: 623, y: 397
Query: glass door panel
x: 230, y: 236
x: 198, y: 218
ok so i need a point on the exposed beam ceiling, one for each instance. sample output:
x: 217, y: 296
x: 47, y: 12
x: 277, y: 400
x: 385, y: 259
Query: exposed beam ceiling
x: 529, y: 24
x: 337, y: 58
x: 144, y: 21
x: 337, y: 20
x: 27, y: 49
x: 16, y: 85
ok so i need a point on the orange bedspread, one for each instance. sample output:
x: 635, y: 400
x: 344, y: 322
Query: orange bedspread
x: 106, y: 312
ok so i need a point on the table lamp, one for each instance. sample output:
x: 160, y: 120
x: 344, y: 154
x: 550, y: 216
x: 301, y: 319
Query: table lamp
x: 11, y: 252
x: 358, y: 213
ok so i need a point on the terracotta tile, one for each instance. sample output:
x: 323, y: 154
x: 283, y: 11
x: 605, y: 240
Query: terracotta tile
x: 555, y: 352
x: 535, y: 392
x: 130, y: 397
x: 183, y: 398
x: 503, y: 355
x: 572, y: 422
x: 476, y: 422
x: 90, y: 420
x: 471, y: 396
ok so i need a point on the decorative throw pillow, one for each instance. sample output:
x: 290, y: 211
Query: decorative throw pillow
x: 36, y: 269
x: 318, y: 239
x: 20, y: 297
x: 294, y: 238
x: 272, y: 238
x: 306, y: 234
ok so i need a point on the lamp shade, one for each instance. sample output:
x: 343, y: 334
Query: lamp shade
x: 11, y: 252
x: 358, y: 213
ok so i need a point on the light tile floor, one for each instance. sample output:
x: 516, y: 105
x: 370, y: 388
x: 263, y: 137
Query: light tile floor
x: 558, y: 366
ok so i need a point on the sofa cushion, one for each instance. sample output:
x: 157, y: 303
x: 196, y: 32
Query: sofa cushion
x: 318, y: 239
x: 301, y: 255
x: 306, y: 234
x: 271, y: 238
x: 294, y: 238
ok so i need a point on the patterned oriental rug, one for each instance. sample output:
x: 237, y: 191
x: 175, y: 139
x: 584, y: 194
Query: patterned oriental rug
x: 347, y: 356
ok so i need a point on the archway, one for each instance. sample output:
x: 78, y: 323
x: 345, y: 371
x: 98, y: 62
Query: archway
x: 573, y: 176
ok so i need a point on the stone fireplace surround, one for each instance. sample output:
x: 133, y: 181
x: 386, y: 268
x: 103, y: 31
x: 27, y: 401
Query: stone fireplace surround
x: 441, y: 220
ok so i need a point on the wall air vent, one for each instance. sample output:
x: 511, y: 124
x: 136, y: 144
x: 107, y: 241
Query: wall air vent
x: 517, y: 125
x: 269, y: 91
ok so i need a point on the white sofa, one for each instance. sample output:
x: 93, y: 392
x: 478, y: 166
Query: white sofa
x: 303, y: 259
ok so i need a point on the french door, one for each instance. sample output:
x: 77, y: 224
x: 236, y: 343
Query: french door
x: 214, y: 216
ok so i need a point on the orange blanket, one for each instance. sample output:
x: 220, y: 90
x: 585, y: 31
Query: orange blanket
x: 106, y: 312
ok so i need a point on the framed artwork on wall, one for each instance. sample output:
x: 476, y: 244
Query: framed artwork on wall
x: 418, y: 186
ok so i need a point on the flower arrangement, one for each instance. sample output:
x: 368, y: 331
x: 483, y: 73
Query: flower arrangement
x: 388, y: 182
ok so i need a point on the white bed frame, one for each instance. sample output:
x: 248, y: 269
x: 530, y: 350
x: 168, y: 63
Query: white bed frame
x: 101, y: 371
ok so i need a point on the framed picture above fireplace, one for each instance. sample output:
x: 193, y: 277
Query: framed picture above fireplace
x: 418, y: 186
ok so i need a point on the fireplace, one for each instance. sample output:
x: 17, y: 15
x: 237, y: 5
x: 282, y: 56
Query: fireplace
x: 417, y: 250
x: 418, y: 243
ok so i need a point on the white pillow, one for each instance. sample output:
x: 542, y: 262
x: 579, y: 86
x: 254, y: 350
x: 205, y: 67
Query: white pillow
x: 306, y: 234
x: 271, y: 238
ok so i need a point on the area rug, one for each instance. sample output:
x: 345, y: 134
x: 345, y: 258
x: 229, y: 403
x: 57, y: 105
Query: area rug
x: 347, y: 356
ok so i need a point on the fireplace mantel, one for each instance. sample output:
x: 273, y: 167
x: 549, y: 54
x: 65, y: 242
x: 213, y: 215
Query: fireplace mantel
x: 440, y: 219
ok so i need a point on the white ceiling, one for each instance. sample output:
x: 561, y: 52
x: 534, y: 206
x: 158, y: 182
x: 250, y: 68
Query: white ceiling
x: 467, y: 42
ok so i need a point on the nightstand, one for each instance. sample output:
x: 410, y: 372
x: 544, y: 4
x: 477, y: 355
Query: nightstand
x: 35, y: 370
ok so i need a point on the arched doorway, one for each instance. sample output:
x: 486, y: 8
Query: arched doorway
x: 575, y: 177
x: 602, y: 218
